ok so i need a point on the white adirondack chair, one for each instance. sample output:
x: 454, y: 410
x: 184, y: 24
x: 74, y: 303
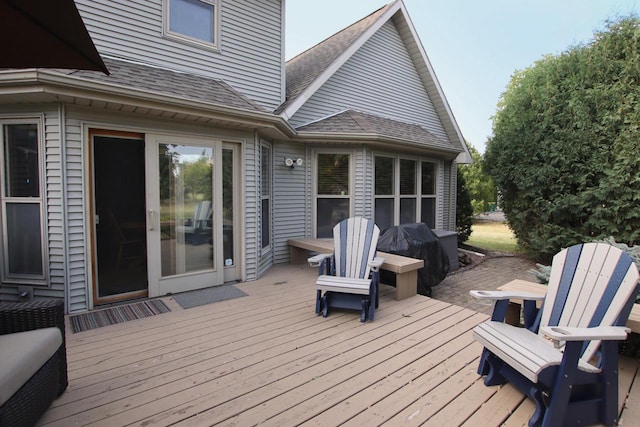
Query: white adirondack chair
x: 351, y: 273
x: 566, y: 360
x: 198, y: 229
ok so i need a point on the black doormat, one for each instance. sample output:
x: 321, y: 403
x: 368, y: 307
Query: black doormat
x: 208, y: 295
x: 118, y: 314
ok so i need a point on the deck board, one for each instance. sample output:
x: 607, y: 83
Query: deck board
x: 267, y: 358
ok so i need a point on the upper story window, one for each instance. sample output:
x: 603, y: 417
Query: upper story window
x: 193, y: 20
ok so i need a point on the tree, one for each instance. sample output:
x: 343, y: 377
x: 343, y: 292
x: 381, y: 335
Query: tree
x: 482, y: 189
x: 464, y: 211
x: 566, y: 140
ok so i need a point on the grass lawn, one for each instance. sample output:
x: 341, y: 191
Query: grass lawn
x: 493, y: 236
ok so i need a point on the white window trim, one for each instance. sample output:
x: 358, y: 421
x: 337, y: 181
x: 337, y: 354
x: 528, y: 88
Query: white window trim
x: 418, y: 196
x: 314, y: 184
x: 266, y: 249
x: 39, y: 280
x: 166, y: 32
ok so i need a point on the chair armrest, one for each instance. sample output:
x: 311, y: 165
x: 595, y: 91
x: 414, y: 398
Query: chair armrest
x: 317, y: 260
x: 375, y: 263
x: 508, y: 295
x: 567, y: 333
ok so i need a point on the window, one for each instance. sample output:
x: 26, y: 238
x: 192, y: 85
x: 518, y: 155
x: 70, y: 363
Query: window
x: 408, y: 191
x: 22, y: 203
x: 404, y: 190
x: 384, y: 192
x: 428, y: 194
x: 333, y: 199
x: 265, y: 210
x: 193, y: 20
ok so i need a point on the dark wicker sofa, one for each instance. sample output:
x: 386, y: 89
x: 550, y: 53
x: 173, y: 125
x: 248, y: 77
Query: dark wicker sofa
x: 32, y: 399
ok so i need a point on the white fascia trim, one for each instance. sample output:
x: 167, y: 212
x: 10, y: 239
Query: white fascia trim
x: 339, y: 62
x: 47, y: 81
x: 432, y: 76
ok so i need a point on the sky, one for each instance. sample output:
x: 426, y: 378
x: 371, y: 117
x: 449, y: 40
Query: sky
x: 473, y: 46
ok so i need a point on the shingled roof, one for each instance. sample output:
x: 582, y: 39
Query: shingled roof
x: 304, y: 69
x: 167, y: 82
x: 352, y: 122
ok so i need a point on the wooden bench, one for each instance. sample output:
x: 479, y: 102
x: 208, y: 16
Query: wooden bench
x: 406, y: 268
x: 536, y: 288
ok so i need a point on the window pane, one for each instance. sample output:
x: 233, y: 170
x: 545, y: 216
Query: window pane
x: 428, y: 214
x: 266, y: 237
x: 21, y: 160
x: 333, y: 174
x: 384, y: 213
x: 428, y: 178
x: 24, y: 241
x: 407, y: 176
x: 407, y: 211
x: 227, y: 207
x: 330, y: 213
x: 384, y: 176
x: 192, y: 18
x: 186, y: 194
x: 265, y: 161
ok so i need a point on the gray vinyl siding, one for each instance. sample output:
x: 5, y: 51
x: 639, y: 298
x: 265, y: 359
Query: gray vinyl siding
x: 251, y: 185
x: 290, y: 215
x: 77, y: 250
x: 250, y: 54
x: 380, y: 79
x: 361, y: 199
x: 447, y: 195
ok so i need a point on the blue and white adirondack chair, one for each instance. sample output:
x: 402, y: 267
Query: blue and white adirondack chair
x: 351, y: 273
x: 567, y: 359
x: 198, y: 229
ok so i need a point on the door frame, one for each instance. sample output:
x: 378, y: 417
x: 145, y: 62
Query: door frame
x: 93, y: 242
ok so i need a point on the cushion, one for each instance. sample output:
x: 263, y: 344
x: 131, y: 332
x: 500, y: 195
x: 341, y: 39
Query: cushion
x: 22, y: 354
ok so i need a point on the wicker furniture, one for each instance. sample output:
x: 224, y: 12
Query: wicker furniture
x: 30, y: 401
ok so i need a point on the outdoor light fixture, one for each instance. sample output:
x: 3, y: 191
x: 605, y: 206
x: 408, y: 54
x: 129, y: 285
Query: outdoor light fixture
x: 288, y: 161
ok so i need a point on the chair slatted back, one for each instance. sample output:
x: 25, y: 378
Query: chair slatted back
x: 355, y: 240
x: 202, y: 214
x: 590, y: 285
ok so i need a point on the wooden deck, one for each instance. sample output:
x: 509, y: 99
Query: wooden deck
x: 268, y: 359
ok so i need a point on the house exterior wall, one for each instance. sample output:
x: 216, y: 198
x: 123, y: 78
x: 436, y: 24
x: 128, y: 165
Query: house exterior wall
x: 250, y: 57
x: 290, y: 195
x: 66, y: 169
x: 292, y: 187
x: 380, y: 79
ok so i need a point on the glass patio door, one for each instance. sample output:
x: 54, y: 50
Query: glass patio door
x: 184, y: 214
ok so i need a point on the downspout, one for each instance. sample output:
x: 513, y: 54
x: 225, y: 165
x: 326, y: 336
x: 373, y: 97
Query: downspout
x: 62, y: 117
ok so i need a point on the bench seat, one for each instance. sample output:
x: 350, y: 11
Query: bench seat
x: 405, y: 268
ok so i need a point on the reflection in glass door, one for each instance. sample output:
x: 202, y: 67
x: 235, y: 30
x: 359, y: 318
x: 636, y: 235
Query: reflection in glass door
x: 186, y: 209
x: 184, y: 214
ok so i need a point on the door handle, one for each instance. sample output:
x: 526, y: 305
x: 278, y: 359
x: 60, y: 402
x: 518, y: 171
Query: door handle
x: 152, y: 219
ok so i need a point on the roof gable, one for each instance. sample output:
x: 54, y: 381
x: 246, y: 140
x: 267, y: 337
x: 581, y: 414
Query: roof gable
x: 309, y: 71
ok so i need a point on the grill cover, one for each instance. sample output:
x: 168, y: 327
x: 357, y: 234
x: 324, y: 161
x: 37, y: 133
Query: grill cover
x: 415, y: 241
